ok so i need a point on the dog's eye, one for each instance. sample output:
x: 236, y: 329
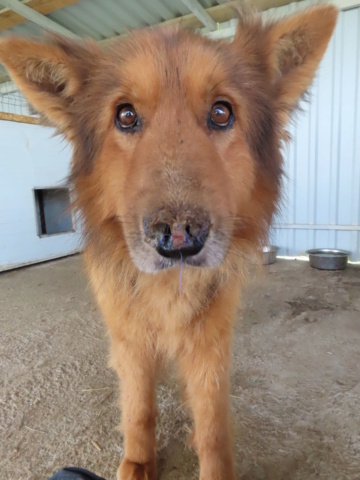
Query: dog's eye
x: 221, y: 116
x: 126, y: 117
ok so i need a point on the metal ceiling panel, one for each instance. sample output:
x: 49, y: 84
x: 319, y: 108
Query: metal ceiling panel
x: 105, y: 19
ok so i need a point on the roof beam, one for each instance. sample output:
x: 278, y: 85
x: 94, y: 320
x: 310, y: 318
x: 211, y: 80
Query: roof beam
x: 9, y: 19
x: 34, y: 16
x: 199, y: 11
x: 4, y: 10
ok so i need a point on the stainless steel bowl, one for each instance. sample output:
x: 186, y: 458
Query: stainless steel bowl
x: 269, y: 254
x: 328, y: 259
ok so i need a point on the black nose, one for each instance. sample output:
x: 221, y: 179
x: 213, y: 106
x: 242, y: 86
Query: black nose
x: 178, y: 240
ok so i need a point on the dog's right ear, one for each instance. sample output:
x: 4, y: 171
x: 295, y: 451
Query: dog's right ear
x: 50, y: 73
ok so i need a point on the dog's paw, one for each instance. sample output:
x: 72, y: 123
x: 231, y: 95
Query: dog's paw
x: 136, y: 471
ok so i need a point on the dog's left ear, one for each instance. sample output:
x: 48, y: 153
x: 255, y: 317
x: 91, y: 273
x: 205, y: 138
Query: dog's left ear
x: 296, y: 46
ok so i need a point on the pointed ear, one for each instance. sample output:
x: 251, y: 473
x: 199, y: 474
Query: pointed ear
x: 297, y: 45
x: 49, y: 73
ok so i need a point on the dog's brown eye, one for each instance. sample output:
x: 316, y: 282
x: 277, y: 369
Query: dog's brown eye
x: 126, y: 117
x: 221, y: 115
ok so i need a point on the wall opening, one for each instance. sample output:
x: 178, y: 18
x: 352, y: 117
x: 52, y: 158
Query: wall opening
x: 53, y: 211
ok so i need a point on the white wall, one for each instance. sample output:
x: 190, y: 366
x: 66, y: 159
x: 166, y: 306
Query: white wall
x: 322, y: 190
x: 30, y: 158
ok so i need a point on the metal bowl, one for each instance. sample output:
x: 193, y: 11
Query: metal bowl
x: 328, y: 259
x: 269, y: 254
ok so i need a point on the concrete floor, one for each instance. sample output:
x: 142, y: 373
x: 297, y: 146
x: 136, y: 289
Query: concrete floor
x: 295, y: 379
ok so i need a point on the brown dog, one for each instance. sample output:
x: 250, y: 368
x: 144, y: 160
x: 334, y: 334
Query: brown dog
x: 177, y: 169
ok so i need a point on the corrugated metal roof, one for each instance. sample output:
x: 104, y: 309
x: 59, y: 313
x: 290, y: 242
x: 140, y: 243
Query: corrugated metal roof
x: 102, y: 20
x: 106, y: 19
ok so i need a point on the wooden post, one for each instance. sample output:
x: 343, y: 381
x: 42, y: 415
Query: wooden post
x: 14, y: 117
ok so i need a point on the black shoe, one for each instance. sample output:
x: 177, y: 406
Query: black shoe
x: 74, y: 473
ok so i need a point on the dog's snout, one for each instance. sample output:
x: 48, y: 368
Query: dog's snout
x: 177, y: 239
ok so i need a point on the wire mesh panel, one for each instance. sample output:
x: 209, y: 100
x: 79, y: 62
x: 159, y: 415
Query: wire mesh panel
x: 12, y: 101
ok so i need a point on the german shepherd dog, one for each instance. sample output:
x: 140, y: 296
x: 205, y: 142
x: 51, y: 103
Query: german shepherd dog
x: 177, y: 171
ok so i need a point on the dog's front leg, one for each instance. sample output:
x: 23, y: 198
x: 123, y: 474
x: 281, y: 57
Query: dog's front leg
x: 135, y: 364
x: 206, y: 376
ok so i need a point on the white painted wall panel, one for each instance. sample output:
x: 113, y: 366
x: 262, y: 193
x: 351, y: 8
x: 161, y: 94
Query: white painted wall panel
x: 30, y: 158
x: 321, y: 206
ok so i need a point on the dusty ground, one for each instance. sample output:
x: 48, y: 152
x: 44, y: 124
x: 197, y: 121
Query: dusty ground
x: 295, y: 393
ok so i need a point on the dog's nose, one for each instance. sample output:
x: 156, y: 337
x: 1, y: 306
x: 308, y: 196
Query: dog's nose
x: 177, y: 240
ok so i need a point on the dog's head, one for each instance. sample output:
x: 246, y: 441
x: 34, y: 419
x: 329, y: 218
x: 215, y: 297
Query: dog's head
x: 176, y: 137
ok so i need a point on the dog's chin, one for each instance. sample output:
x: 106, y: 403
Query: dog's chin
x: 148, y: 260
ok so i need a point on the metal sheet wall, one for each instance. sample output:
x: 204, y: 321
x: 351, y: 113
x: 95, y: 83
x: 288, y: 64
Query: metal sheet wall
x: 321, y: 204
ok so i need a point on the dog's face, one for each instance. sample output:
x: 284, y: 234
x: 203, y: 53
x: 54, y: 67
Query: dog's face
x: 176, y: 167
x: 176, y: 138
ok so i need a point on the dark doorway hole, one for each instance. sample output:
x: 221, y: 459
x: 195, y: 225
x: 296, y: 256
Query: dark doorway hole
x: 53, y: 211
